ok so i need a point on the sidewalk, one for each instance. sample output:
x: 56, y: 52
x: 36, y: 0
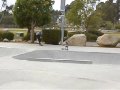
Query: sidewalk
x: 32, y: 47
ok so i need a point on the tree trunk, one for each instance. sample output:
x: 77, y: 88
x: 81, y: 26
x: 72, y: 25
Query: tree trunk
x: 32, y: 33
x: 28, y: 32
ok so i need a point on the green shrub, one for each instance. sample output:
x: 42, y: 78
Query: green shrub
x: 52, y: 36
x: 91, y: 37
x: 117, y: 26
x: 109, y: 25
x: 21, y: 34
x: 8, y: 35
x: 1, y: 35
x: 95, y: 32
x: 27, y: 37
x: 72, y: 33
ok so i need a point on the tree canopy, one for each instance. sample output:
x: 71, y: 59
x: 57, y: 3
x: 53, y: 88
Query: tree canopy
x: 108, y: 9
x: 32, y: 13
x: 84, y: 12
x: 80, y: 11
x: 72, y: 15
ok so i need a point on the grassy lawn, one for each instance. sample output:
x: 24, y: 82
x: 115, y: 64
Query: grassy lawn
x: 17, y: 30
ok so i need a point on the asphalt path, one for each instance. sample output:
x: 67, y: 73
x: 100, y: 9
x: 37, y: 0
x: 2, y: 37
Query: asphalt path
x: 70, y: 57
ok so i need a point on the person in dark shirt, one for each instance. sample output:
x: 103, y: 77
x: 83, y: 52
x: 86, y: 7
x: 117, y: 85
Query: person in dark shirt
x: 39, y: 37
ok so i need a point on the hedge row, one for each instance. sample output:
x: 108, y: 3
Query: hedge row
x: 52, y: 36
x: 7, y: 35
x: 92, y: 35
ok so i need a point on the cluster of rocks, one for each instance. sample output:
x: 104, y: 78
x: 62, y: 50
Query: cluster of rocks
x: 15, y: 40
x: 106, y: 40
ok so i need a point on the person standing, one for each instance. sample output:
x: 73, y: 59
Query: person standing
x: 39, y: 37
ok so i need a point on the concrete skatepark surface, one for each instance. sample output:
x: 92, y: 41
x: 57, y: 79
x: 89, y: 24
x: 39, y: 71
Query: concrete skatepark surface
x: 71, y: 57
x: 17, y: 72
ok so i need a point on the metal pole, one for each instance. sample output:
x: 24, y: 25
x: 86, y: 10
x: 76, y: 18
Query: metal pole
x: 62, y: 20
x: 62, y: 29
x: 118, y: 6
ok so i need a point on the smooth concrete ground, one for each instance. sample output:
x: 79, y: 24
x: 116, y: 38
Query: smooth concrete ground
x: 18, y: 74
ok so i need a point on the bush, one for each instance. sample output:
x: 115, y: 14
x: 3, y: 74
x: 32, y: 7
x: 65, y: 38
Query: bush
x: 109, y: 25
x: 52, y: 36
x: 72, y: 33
x: 95, y: 32
x: 92, y: 35
x: 1, y: 35
x: 117, y: 26
x: 27, y: 37
x: 8, y: 35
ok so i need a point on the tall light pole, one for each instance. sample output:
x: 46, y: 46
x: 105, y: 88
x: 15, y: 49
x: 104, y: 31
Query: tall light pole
x: 62, y: 9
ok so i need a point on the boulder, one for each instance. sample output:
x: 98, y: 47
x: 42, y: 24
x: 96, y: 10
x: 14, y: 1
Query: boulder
x: 107, y: 40
x: 5, y: 40
x: 77, y: 40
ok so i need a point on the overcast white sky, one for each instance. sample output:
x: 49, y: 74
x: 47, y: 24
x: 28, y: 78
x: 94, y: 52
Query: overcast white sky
x: 56, y: 5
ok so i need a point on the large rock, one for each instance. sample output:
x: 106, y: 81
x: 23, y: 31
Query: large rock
x: 77, y: 40
x: 5, y: 40
x: 107, y: 40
